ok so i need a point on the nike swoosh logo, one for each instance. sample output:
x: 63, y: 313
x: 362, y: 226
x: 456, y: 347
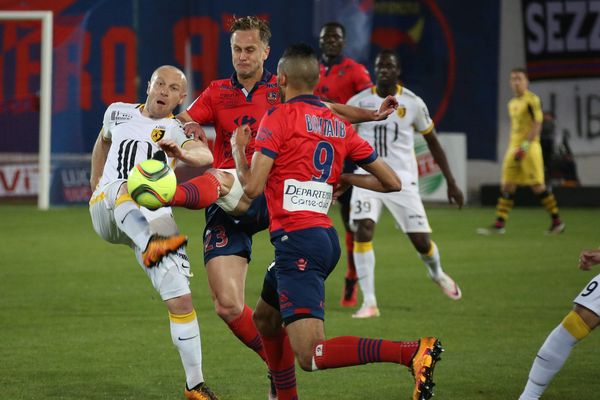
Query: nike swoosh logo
x: 119, y: 123
x: 185, y: 266
x: 187, y: 338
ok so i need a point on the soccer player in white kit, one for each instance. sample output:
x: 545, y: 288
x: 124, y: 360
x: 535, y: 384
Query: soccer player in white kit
x: 578, y: 323
x: 132, y: 133
x: 393, y: 139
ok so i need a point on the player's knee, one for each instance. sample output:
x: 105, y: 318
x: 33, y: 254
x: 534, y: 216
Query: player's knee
x: 122, y: 189
x: 304, y: 358
x: 225, y: 179
x: 423, y: 246
x: 421, y: 242
x: 261, y: 322
x: 265, y: 323
x: 228, y: 311
x: 180, y: 305
x: 538, y: 189
x: 364, y: 230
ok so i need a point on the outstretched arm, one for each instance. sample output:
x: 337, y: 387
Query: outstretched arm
x: 99, y: 155
x: 193, y: 153
x: 356, y: 115
x: 455, y: 195
x: 381, y: 178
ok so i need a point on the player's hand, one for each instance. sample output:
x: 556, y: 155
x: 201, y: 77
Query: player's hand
x: 172, y: 149
x: 193, y: 129
x: 241, y: 136
x: 522, y: 151
x: 94, y: 182
x: 389, y: 105
x: 455, y: 195
x: 589, y: 258
x: 340, y: 189
x: 519, y: 154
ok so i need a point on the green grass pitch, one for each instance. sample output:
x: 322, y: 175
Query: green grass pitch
x: 79, y: 319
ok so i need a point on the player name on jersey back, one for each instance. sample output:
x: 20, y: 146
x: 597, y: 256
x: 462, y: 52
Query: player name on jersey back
x: 307, y: 196
x: 325, y: 126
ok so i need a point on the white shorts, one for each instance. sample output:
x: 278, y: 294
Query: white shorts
x: 171, y: 276
x: 229, y: 202
x: 405, y: 206
x: 590, y: 296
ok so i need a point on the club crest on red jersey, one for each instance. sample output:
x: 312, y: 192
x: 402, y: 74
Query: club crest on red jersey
x: 263, y: 133
x: 273, y: 96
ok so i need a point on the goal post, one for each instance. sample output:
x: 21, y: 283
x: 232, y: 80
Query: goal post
x: 45, y: 129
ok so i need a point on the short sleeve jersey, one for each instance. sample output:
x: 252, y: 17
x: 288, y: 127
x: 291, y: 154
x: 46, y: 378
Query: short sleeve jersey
x: 308, y: 144
x: 393, y: 138
x: 342, y: 80
x: 523, y: 111
x: 134, y: 138
x: 227, y: 105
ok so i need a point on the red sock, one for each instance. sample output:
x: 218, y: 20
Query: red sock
x: 198, y: 192
x: 351, y: 270
x: 243, y: 327
x: 344, y: 351
x: 280, y: 358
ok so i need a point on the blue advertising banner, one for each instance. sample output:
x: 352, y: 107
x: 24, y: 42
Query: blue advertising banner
x: 449, y: 58
x: 105, y: 50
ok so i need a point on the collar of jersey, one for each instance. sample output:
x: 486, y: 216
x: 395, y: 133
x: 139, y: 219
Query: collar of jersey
x: 141, y: 108
x: 266, y: 77
x: 337, y: 60
x: 398, y: 89
x: 307, y: 98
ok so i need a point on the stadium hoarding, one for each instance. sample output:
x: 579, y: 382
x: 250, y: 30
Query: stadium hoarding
x: 69, y: 180
x: 19, y: 180
x: 432, y: 185
x: 562, y: 50
x: 575, y: 104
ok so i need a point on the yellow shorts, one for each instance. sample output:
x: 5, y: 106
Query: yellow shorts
x: 528, y: 171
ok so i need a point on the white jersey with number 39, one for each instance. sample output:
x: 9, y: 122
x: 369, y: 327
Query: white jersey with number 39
x: 393, y: 138
x: 134, y: 138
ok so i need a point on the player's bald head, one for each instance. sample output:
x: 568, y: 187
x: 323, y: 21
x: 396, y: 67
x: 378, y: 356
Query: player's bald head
x: 300, y: 66
x: 170, y: 73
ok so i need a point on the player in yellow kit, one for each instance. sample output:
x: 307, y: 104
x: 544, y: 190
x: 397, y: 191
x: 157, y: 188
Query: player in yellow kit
x: 523, y: 163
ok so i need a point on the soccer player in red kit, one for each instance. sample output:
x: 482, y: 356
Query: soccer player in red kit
x: 231, y: 218
x: 299, y: 153
x: 340, y: 78
x: 228, y: 103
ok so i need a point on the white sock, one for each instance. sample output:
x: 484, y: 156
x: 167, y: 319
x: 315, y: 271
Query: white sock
x: 432, y: 262
x: 185, y: 333
x: 549, y: 360
x: 364, y: 260
x: 132, y: 222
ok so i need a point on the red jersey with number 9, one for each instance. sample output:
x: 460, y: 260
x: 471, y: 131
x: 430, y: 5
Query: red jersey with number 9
x: 308, y: 144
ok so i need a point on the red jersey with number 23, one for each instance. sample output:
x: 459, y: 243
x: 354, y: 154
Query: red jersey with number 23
x: 226, y: 105
x: 308, y: 144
